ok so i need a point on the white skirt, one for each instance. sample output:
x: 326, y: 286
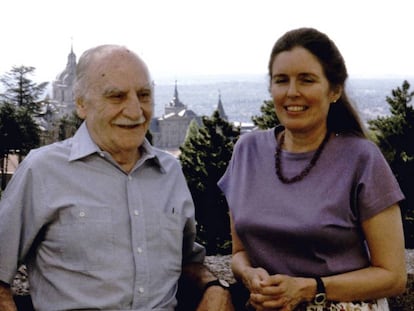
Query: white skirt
x: 373, y: 305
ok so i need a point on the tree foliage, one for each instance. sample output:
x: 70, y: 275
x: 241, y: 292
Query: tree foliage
x: 395, y: 137
x: 204, y: 156
x: 18, y: 134
x: 22, y: 91
x: 19, y: 104
x: 268, y: 118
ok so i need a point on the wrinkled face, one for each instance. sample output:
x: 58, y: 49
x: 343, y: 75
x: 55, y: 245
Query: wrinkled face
x: 301, y: 92
x: 118, y: 103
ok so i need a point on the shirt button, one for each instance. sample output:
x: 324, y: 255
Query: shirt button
x: 139, y: 250
x: 129, y: 177
x: 136, y: 212
x: 82, y: 214
x: 141, y: 290
x: 102, y: 154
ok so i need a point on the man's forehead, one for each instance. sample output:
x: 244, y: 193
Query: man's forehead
x: 118, y: 58
x: 121, y: 71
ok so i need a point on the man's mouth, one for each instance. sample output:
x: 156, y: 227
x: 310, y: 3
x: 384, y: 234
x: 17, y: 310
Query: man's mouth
x: 130, y: 124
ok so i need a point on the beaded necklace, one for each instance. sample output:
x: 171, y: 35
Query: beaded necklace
x: 306, y: 170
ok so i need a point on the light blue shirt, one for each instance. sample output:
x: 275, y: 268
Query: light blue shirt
x: 93, y: 236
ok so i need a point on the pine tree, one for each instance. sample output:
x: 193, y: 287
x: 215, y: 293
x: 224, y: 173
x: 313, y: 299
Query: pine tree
x: 395, y: 137
x: 268, y: 118
x: 21, y: 91
x: 204, y: 156
x: 20, y: 102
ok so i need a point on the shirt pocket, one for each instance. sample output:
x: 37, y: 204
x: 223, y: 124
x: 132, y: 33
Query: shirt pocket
x: 172, y: 233
x: 86, y: 237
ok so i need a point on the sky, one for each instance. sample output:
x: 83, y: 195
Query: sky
x: 179, y: 38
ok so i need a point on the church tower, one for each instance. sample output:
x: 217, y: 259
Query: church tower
x: 62, y: 95
x: 175, y: 105
x: 169, y: 131
x: 220, y: 109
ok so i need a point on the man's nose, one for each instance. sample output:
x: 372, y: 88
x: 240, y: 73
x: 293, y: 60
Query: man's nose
x: 133, y: 107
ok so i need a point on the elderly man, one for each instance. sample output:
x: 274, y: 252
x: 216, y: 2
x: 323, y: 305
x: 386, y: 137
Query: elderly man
x: 103, y: 220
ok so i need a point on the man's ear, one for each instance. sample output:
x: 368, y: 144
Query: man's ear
x: 80, y: 108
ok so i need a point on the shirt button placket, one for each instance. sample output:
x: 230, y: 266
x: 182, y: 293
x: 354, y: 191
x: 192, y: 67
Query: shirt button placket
x: 138, y: 223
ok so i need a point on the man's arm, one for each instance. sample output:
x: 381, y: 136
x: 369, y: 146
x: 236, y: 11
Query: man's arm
x: 214, y: 298
x: 6, y: 298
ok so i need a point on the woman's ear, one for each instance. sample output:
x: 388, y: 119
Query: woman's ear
x: 336, y: 93
x: 80, y: 108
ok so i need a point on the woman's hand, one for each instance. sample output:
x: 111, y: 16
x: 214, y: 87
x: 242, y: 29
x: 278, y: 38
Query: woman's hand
x: 279, y: 292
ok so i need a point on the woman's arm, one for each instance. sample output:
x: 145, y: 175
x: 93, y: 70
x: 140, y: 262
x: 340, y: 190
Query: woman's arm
x: 387, y: 274
x: 240, y: 263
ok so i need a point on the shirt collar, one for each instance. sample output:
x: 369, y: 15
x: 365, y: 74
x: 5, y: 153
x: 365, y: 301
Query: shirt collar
x: 83, y: 146
x: 148, y: 152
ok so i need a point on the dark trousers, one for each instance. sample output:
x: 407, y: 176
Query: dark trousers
x: 188, y: 297
x: 23, y: 303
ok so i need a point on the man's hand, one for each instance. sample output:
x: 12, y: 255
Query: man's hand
x: 216, y: 298
x: 6, y: 298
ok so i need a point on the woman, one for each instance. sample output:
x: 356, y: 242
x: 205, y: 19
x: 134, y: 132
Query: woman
x: 314, y: 205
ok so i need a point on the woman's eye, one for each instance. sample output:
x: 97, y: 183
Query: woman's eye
x: 307, y: 78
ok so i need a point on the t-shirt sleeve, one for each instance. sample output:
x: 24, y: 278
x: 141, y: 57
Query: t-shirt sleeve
x: 377, y: 187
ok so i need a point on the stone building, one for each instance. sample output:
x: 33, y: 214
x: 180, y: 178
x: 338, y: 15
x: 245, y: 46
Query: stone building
x: 169, y: 130
x: 62, y: 95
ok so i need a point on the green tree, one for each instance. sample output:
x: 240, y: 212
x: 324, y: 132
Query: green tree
x: 395, y: 137
x: 204, y: 156
x: 268, y: 118
x: 18, y: 134
x: 20, y: 103
x: 22, y: 91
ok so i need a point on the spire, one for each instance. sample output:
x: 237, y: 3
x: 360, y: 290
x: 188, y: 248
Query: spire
x: 220, y: 108
x: 71, y: 64
x: 175, y: 102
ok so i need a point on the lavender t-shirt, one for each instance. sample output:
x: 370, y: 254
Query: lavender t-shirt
x: 311, y: 227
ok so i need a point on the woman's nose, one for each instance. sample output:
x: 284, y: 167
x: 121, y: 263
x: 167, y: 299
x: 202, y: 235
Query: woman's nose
x: 292, y: 90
